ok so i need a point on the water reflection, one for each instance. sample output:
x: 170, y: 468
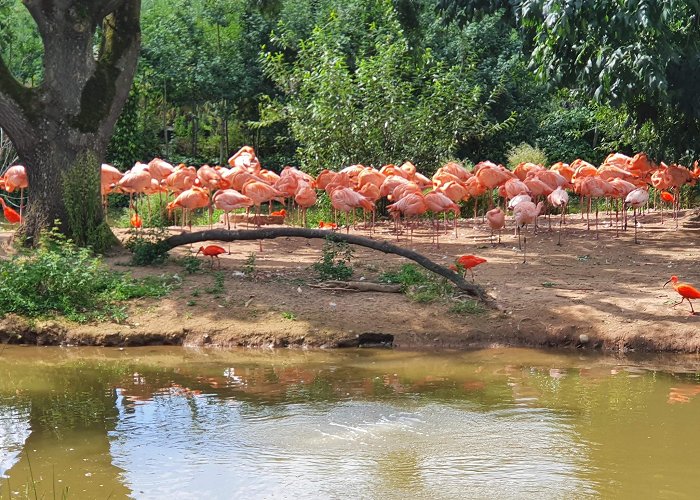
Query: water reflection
x: 174, y: 423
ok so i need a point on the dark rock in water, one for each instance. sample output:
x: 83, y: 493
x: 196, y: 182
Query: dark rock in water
x: 368, y: 340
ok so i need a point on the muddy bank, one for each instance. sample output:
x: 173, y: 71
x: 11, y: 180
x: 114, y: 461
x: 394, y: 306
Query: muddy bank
x: 595, y: 294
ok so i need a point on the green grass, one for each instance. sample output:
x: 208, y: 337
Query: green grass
x: 467, y: 307
x: 419, y: 285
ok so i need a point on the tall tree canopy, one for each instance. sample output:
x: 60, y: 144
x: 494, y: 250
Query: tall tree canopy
x: 89, y: 58
x: 642, y: 55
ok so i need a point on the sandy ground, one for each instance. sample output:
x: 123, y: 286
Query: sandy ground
x: 593, y: 293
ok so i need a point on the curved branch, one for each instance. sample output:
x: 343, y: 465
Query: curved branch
x: 281, y: 232
x: 17, y: 105
x: 107, y: 7
x: 117, y: 61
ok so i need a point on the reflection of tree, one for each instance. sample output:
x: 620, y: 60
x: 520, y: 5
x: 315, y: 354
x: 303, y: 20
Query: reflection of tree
x: 71, y: 414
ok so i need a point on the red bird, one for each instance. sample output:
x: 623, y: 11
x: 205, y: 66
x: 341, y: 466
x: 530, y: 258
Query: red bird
x: 327, y: 225
x: 136, y: 221
x: 667, y: 197
x: 468, y: 262
x: 212, y: 251
x: 10, y: 214
x: 685, y: 290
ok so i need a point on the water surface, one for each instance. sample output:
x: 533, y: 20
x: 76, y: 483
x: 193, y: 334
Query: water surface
x: 501, y: 423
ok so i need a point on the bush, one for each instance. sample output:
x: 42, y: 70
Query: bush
x: 81, y: 194
x: 523, y: 153
x: 418, y: 285
x: 335, y: 261
x: 147, y: 246
x: 62, y: 278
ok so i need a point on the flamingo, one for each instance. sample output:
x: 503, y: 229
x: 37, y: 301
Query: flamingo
x: 190, y: 199
x: 346, y: 200
x: 16, y: 178
x: 412, y: 205
x: 437, y: 202
x: 108, y: 177
x: 230, y: 199
x: 593, y: 186
x: 496, y: 219
x: 134, y: 181
x: 560, y: 199
x: 525, y: 213
x: 636, y: 199
x: 304, y: 197
x: 261, y: 193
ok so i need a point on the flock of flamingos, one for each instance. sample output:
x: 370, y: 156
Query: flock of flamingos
x: 528, y: 191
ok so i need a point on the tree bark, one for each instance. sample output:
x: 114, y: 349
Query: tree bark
x: 74, y: 110
x: 281, y: 232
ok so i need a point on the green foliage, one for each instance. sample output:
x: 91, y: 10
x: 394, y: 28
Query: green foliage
x: 62, y: 278
x: 249, y: 267
x: 640, y: 55
x: 147, y: 246
x: 335, y: 261
x: 321, y: 211
x: 424, y: 287
x: 375, y: 102
x: 467, y: 307
x: 191, y: 264
x: 523, y: 152
x: 217, y: 288
x: 81, y: 188
x: 289, y: 316
x: 407, y: 276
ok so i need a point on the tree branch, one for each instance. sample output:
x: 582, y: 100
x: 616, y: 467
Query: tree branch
x: 17, y: 105
x: 116, y: 65
x: 107, y: 7
x: 37, y: 9
x: 272, y: 233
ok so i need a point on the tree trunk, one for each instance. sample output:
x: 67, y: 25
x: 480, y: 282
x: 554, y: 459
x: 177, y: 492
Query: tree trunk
x: 76, y: 107
x: 46, y: 163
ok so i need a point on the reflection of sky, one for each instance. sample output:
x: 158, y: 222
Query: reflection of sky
x: 14, y: 431
x: 205, y: 447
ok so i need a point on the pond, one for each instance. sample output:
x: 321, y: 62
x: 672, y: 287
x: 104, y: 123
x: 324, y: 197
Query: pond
x: 164, y: 422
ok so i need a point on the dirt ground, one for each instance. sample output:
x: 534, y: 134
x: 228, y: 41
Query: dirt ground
x: 592, y: 293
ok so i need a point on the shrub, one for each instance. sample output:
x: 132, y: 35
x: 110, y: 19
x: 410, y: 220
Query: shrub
x: 61, y: 278
x: 335, y: 261
x: 523, y: 152
x: 81, y: 194
x: 147, y: 246
x: 418, y: 285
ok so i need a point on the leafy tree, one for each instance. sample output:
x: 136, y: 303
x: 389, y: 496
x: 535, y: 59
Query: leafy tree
x: 642, y: 56
x: 351, y: 98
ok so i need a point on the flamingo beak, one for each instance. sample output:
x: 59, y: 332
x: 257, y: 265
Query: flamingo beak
x: 666, y: 284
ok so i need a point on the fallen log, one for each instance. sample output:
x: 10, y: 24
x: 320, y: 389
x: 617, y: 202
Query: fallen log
x: 298, y: 232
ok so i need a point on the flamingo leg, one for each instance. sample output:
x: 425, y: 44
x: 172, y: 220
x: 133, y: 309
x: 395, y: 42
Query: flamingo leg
x: 524, y: 249
x: 588, y: 213
x: 561, y: 219
x: 596, y: 221
x: 21, y: 204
